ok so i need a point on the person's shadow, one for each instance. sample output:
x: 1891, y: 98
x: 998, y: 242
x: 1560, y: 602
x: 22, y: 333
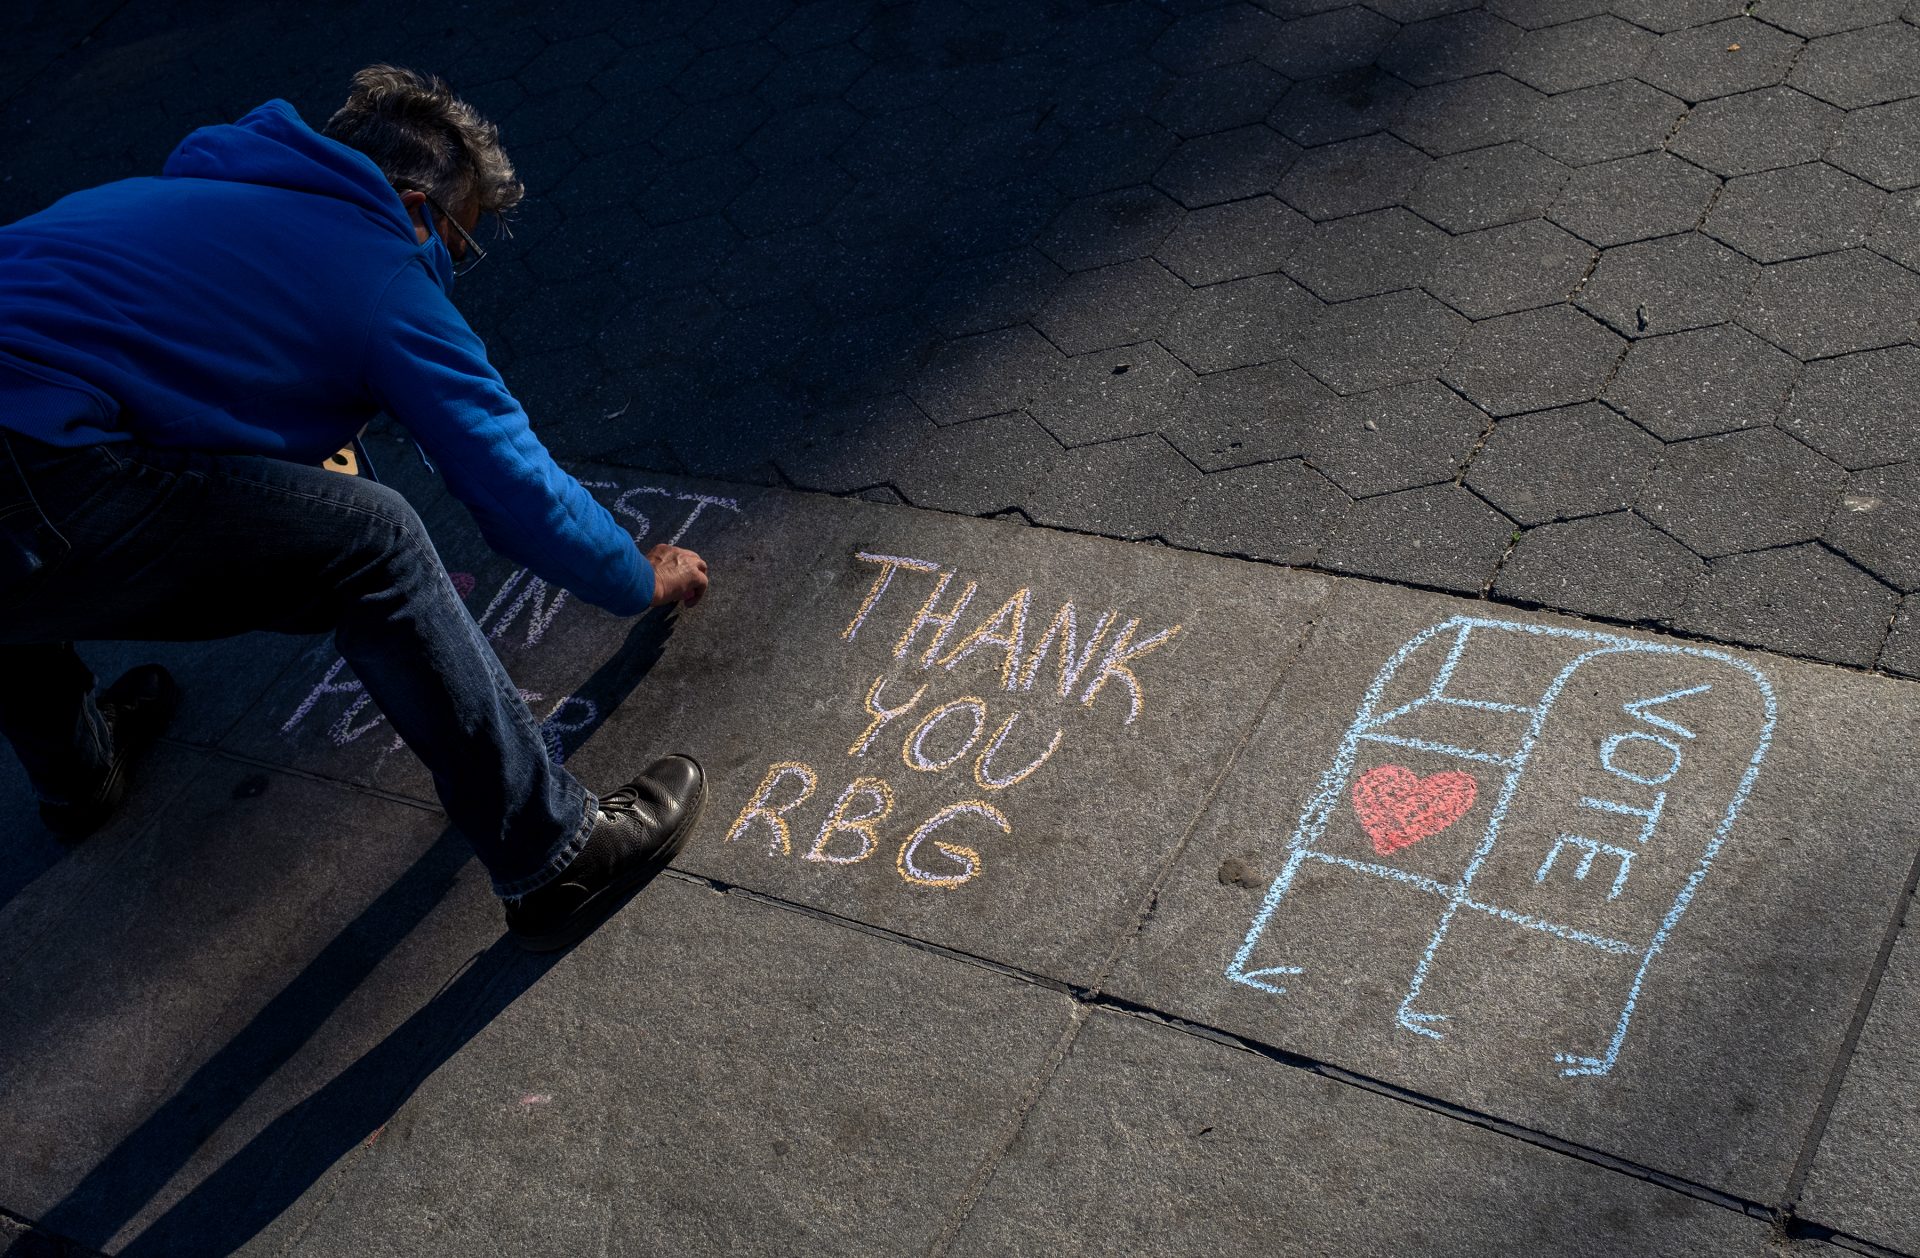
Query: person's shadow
x: 275, y: 1167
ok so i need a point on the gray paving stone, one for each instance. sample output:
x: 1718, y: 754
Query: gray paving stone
x: 1862, y: 67
x: 1401, y: 437
x: 1218, y: 99
x: 1533, y: 360
x: 1395, y: 338
x: 1877, y: 524
x: 1202, y: 1118
x: 1216, y: 37
x: 1579, y: 54
x: 1353, y: 176
x: 1800, y: 600
x: 1898, y: 235
x: 1695, y: 384
x: 986, y: 374
x: 1675, y: 15
x: 1794, y: 213
x: 1756, y: 131
x: 1708, y: 1062
x: 1617, y: 566
x: 1737, y: 55
x: 1116, y: 305
x: 996, y: 291
x: 1241, y: 323
x: 1233, y: 241
x: 1367, y: 254
x: 1833, y: 304
x: 1345, y: 38
x: 1404, y: 11
x: 1667, y: 285
x: 1634, y: 198
x: 1504, y: 269
x: 979, y: 467
x: 1901, y: 653
x: 1450, y: 47
x: 1280, y: 512
x: 1533, y: 14
x: 1867, y: 1152
x: 1116, y: 155
x: 853, y: 446
x: 1209, y: 169
x: 1742, y: 491
x: 1826, y: 17
x: 1250, y: 415
x: 1127, y: 489
x: 1857, y: 409
x: 1599, y: 124
x: 1488, y: 187
x: 1111, y: 393
x: 1112, y: 227
x: 1439, y: 536
x: 1467, y: 114
x: 1341, y: 106
x: 1555, y: 465
x: 1881, y: 144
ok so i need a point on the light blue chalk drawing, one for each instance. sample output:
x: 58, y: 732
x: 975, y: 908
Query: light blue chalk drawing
x: 1634, y: 765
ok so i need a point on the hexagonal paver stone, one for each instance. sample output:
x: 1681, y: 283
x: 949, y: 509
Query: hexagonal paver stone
x: 1555, y: 356
x: 1813, y: 18
x: 1674, y: 15
x: 1110, y: 393
x: 1126, y: 489
x: 1803, y: 600
x: 1440, y: 536
x: 1340, y: 106
x: 1488, y: 187
x: 1404, y: 11
x: 1115, y: 305
x: 1795, y: 213
x: 1395, y: 438
x: 986, y: 374
x: 1864, y: 67
x: 1878, y: 524
x: 1367, y: 254
x: 724, y: 72
x: 1241, y: 323
x: 1598, y: 124
x: 1819, y: 307
x: 1112, y: 227
x: 1232, y: 241
x: 1251, y: 415
x: 1510, y: 268
x: 1756, y: 131
x: 1898, y: 235
x: 1737, y: 55
x: 1353, y: 176
x: 1534, y: 14
x: 1198, y: 41
x: 1858, y: 409
x: 1280, y: 512
x: 568, y: 63
x: 1555, y: 465
x: 1617, y: 566
x: 1116, y: 155
x: 851, y: 447
x: 1881, y: 144
x: 1320, y: 44
x: 1467, y: 114
x: 1001, y: 289
x: 1695, y: 384
x: 1901, y: 652
x: 1579, y: 54
x: 1226, y: 167
x: 802, y: 134
x: 1667, y: 285
x: 1742, y: 491
x: 1217, y: 99
x: 981, y: 467
x: 1377, y: 341
x: 693, y: 189
x: 790, y: 197
x: 1635, y: 198
x: 1451, y: 47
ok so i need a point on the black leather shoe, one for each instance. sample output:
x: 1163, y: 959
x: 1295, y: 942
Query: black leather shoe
x: 641, y: 827
x: 136, y: 709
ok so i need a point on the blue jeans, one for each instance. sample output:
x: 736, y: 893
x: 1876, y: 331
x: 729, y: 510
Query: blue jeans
x: 124, y: 542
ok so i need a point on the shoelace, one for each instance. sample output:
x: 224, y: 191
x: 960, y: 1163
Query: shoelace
x: 626, y: 799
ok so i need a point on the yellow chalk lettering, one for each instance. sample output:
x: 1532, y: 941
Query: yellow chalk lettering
x: 914, y: 756
x: 881, y: 716
x: 969, y: 858
x: 927, y: 616
x: 866, y: 825
x: 889, y: 564
x: 1005, y: 628
x: 758, y: 808
x: 1115, y: 665
x: 983, y: 774
x: 1073, y: 662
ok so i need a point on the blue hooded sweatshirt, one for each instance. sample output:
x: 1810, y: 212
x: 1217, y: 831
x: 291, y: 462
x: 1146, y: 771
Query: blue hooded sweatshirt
x: 267, y: 294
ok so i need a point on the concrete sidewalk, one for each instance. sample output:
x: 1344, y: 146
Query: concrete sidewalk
x: 1052, y: 894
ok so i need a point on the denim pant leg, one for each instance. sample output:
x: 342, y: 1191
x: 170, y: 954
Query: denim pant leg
x: 176, y: 546
x: 48, y: 715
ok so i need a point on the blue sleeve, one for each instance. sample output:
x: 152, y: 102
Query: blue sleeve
x: 427, y: 369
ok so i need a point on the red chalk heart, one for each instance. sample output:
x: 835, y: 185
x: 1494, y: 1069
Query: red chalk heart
x: 1398, y: 808
x: 463, y: 583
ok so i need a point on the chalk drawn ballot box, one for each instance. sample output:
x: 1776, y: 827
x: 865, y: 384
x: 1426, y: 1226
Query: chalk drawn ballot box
x: 1509, y: 837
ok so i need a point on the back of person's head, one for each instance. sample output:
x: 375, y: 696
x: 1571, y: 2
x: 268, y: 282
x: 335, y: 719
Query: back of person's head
x: 424, y: 137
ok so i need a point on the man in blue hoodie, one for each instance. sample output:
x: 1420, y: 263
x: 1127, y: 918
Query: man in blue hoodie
x: 179, y: 354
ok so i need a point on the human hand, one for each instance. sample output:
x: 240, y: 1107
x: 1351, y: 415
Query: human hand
x: 679, y: 576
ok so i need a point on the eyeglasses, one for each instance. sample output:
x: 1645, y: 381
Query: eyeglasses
x: 475, y: 255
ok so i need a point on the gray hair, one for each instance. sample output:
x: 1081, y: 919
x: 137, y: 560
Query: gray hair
x: 422, y: 136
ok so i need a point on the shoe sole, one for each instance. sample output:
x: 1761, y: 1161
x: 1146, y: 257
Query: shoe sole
x: 609, y: 900
x: 71, y: 826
